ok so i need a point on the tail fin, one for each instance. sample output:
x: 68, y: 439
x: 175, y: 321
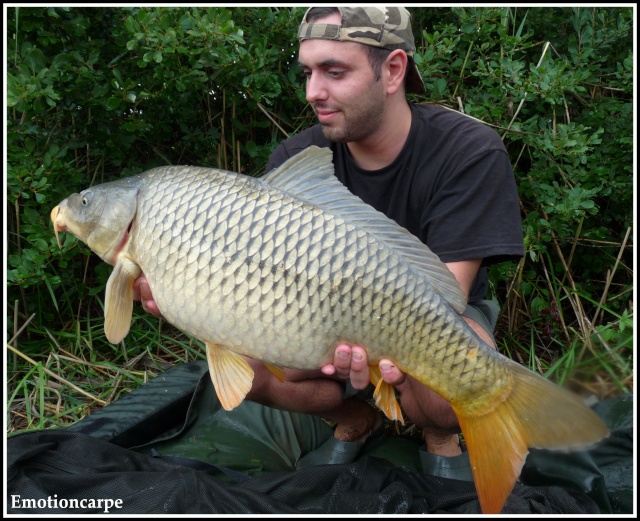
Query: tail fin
x: 537, y: 413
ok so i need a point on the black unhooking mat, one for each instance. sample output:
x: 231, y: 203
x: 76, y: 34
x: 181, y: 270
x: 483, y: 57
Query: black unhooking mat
x: 168, y: 448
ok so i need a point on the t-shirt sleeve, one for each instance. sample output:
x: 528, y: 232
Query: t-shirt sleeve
x: 475, y: 211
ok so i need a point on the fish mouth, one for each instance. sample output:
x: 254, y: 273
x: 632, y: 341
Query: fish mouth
x: 110, y: 256
x: 58, y: 223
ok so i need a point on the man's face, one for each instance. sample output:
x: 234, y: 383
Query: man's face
x: 341, y: 87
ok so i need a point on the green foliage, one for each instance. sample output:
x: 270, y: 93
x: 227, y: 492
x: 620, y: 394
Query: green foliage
x: 99, y: 93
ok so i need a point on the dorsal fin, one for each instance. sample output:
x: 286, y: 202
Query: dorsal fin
x: 309, y: 175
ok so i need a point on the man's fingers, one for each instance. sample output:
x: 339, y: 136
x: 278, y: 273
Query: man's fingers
x: 359, y: 373
x: 150, y: 306
x: 390, y: 373
x: 142, y: 292
x: 342, y: 361
x: 351, y: 362
x: 136, y: 288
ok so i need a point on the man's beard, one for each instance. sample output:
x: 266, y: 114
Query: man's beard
x: 359, y: 122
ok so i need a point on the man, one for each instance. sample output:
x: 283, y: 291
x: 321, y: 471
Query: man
x: 441, y: 175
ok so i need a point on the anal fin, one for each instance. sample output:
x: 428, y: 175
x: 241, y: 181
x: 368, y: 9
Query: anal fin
x: 231, y: 375
x: 385, y: 395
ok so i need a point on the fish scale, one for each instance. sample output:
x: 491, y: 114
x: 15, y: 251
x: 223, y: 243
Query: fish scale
x: 285, y: 268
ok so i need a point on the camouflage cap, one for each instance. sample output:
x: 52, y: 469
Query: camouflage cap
x: 385, y: 27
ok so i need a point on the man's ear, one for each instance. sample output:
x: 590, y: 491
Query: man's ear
x: 395, y: 68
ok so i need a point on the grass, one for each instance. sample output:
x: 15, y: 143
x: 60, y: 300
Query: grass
x: 79, y: 372
x: 567, y: 335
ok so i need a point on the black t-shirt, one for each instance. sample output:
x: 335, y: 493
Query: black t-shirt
x: 452, y: 186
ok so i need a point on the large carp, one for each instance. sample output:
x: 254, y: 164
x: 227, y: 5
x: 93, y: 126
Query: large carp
x: 284, y: 268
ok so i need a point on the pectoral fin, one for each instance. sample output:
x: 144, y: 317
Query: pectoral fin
x: 385, y: 395
x: 231, y: 375
x: 118, y: 306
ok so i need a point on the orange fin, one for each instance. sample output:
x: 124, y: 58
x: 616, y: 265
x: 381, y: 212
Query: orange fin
x: 231, y: 375
x: 537, y: 413
x: 118, y: 302
x: 385, y: 395
x: 276, y: 371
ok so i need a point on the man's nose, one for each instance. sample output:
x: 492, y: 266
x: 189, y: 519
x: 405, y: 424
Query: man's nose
x: 315, y: 89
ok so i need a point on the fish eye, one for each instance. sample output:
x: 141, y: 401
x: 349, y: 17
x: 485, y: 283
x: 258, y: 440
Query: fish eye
x: 86, y: 197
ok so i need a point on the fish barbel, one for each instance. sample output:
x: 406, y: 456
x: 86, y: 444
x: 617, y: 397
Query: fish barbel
x: 285, y: 268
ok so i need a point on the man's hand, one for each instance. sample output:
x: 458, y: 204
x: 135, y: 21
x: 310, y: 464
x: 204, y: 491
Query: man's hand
x: 351, y: 362
x: 142, y: 292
